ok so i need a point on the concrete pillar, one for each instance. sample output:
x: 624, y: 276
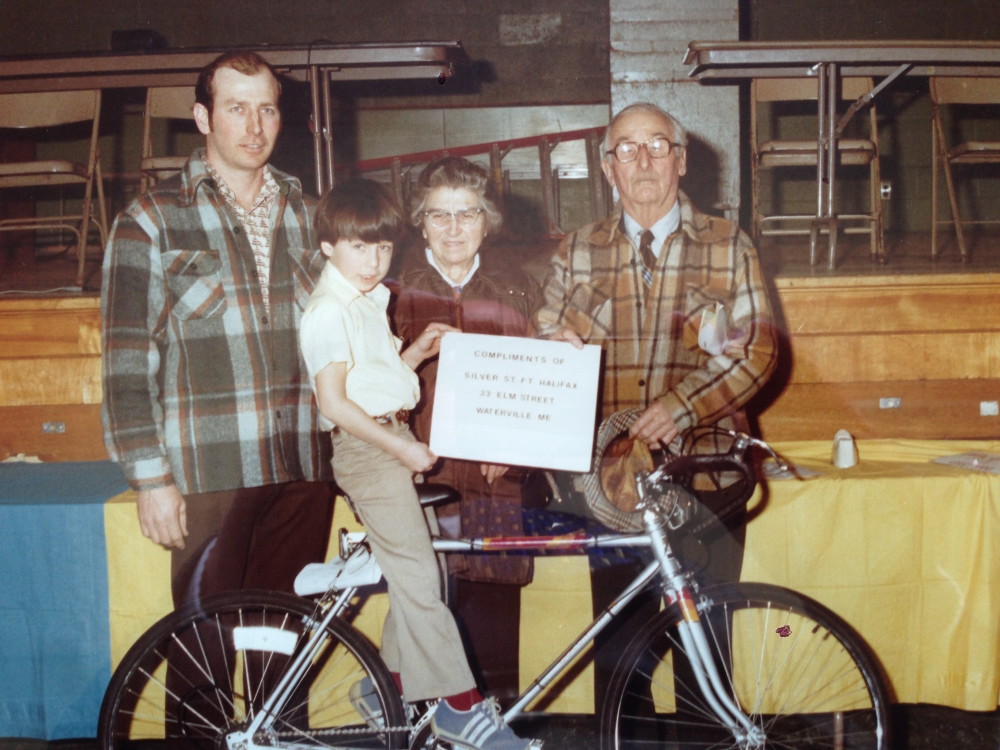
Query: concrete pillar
x: 648, y: 42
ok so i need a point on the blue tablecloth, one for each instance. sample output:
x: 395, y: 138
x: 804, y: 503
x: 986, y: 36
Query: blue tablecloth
x: 54, y: 636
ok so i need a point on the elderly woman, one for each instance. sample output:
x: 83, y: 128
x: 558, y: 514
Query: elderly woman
x: 453, y: 281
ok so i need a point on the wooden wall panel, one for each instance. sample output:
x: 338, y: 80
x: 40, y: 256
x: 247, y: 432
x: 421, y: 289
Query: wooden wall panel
x: 50, y: 333
x: 862, y: 357
x: 931, y: 341
x: 33, y: 431
x: 890, y: 304
x: 929, y: 409
x: 50, y: 378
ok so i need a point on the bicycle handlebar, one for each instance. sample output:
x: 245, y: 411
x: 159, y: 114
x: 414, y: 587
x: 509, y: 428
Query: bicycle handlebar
x: 687, y: 466
x: 682, y: 469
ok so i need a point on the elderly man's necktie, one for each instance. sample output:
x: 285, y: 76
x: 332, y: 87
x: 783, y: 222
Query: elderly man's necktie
x: 648, y: 259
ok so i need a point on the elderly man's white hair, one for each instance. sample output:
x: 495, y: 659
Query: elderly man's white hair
x: 677, y: 130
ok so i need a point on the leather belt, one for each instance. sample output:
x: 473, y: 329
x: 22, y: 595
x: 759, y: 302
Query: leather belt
x: 400, y: 417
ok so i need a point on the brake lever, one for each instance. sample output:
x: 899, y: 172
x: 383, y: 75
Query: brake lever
x: 783, y: 464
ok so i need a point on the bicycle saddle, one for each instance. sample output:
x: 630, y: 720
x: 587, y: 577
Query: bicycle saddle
x: 432, y: 494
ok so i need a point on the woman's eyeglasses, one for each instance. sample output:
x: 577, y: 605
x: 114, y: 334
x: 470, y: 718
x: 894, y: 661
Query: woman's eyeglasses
x: 440, y: 218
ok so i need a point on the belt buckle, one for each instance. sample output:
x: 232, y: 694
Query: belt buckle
x: 398, y: 417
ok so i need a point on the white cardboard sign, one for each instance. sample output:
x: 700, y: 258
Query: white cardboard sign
x: 517, y: 401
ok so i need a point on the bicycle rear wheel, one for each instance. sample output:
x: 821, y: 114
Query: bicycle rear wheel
x: 207, y: 670
x: 796, y: 669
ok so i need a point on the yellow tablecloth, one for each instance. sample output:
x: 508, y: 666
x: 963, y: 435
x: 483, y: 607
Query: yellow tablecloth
x: 906, y: 550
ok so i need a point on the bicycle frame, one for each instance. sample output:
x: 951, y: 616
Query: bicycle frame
x: 572, y: 543
x: 676, y: 588
x: 675, y: 583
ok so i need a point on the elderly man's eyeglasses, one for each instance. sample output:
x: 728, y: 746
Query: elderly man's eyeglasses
x: 657, y: 148
x: 440, y: 218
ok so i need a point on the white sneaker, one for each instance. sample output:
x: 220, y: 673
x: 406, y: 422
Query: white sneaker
x: 479, y: 728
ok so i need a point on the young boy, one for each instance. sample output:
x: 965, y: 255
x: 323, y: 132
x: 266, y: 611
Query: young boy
x: 364, y: 387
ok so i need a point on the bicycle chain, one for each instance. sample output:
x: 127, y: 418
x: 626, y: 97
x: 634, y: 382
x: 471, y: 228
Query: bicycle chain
x: 335, y: 730
x: 360, y: 731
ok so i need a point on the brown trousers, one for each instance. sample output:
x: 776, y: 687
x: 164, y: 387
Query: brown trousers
x: 420, y: 639
x: 251, y: 538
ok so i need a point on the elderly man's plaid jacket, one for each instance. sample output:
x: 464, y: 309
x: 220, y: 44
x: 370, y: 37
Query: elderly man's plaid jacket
x: 707, y: 270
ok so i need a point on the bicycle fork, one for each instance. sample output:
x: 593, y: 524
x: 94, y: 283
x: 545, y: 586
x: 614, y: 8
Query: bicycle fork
x: 694, y: 640
x: 244, y: 739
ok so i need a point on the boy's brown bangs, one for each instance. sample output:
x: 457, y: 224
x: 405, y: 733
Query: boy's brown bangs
x: 359, y: 210
x: 370, y: 228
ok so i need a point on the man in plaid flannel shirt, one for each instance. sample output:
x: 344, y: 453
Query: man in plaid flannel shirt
x: 206, y: 403
x: 687, y: 331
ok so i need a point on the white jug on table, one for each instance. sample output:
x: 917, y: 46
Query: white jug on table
x: 845, y: 451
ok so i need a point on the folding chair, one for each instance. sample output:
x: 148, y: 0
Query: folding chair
x: 770, y: 152
x: 168, y: 103
x: 951, y: 146
x: 39, y: 112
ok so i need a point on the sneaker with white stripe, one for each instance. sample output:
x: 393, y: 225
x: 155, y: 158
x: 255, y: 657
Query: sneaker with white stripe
x: 479, y: 728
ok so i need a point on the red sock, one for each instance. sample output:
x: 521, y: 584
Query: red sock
x: 398, y: 680
x: 464, y: 701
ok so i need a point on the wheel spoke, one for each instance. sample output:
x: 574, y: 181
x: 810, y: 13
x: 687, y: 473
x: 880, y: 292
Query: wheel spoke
x: 799, y: 673
x: 203, y: 672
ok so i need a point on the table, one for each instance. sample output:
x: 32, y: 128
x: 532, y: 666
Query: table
x: 827, y: 62
x: 320, y: 64
x: 906, y: 550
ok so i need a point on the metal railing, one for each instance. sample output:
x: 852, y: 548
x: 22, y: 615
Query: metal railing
x: 401, y: 173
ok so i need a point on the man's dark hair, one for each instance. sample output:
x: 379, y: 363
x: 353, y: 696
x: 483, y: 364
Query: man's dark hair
x: 242, y: 61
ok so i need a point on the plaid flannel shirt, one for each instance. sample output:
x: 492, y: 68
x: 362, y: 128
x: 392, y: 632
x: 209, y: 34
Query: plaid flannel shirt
x: 203, y: 386
x: 650, y: 336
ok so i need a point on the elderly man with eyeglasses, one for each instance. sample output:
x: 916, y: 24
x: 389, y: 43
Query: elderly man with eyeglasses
x: 676, y: 299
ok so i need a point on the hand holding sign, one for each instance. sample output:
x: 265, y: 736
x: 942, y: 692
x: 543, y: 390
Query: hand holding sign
x: 519, y: 401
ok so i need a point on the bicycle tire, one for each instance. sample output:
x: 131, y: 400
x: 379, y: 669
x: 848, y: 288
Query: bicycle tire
x: 796, y: 669
x: 226, y: 654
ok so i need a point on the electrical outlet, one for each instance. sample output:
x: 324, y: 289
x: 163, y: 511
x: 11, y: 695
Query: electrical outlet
x: 52, y: 427
x: 890, y: 403
x: 989, y: 409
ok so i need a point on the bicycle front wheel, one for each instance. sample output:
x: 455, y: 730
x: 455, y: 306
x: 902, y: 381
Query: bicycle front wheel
x: 209, y: 669
x: 801, y: 675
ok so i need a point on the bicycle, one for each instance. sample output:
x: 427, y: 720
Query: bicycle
x: 772, y: 667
